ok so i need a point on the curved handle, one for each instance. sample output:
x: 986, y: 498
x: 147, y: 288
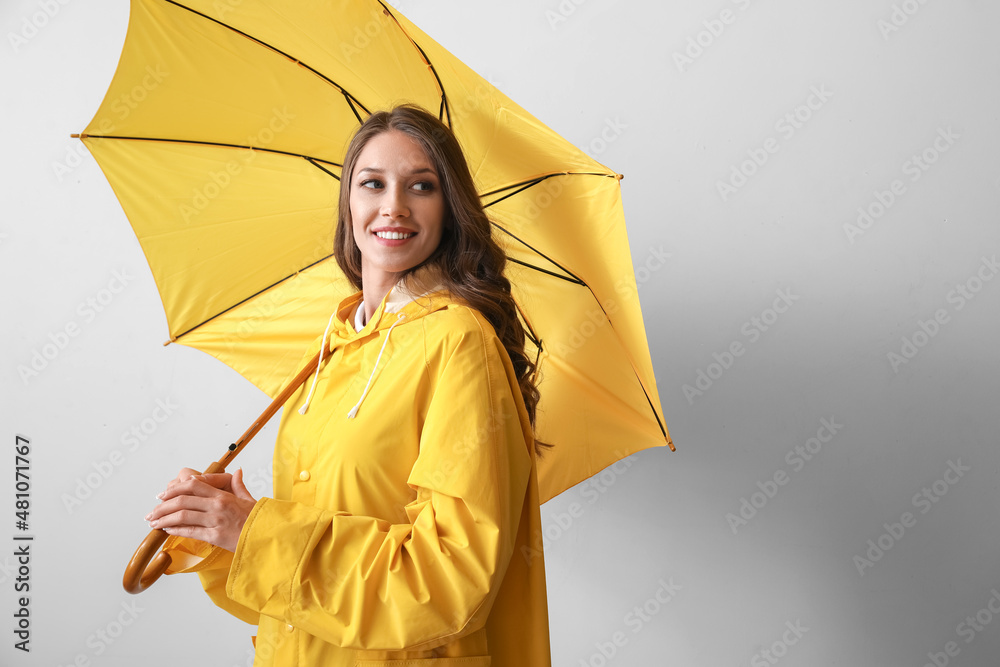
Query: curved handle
x: 140, y: 573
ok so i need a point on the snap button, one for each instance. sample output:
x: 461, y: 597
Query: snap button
x: 304, y: 475
x: 289, y: 628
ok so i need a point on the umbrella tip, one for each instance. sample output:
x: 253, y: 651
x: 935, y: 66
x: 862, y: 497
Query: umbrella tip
x: 75, y: 136
x: 619, y: 176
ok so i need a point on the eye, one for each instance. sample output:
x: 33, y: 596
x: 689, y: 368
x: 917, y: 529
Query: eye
x: 424, y: 186
x: 371, y: 183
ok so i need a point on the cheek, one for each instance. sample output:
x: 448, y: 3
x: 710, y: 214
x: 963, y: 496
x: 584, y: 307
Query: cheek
x: 357, y: 213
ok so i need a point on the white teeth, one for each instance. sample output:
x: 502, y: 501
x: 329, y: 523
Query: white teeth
x: 393, y: 235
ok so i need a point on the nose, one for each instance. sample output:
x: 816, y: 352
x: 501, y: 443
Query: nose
x: 394, y: 203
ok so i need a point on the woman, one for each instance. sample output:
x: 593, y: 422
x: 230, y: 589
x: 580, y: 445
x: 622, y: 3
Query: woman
x: 405, y: 517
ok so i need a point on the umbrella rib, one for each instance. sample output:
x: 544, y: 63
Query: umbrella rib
x: 656, y: 416
x: 235, y: 305
x: 522, y: 186
x: 213, y: 143
x: 529, y: 331
x: 444, y: 111
x: 351, y: 100
x: 351, y: 104
x: 538, y: 252
x: 322, y: 168
x: 536, y: 181
x: 525, y: 184
x: 574, y: 280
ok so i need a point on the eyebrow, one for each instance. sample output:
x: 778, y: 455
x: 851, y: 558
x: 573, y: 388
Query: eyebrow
x: 376, y: 170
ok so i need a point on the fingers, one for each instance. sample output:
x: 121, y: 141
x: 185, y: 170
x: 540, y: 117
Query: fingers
x: 183, y: 511
x: 239, y: 489
x: 216, y: 517
x: 193, y: 486
x: 220, y: 480
x: 184, y: 475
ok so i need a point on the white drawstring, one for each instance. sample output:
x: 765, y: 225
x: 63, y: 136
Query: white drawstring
x: 322, y: 349
x: 354, y: 410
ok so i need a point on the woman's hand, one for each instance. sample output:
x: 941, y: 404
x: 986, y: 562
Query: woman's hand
x: 211, y: 508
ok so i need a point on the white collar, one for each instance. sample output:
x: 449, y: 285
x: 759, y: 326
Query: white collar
x: 420, y: 283
x: 359, y: 317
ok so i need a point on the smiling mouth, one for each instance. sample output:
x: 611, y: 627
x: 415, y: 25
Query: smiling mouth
x: 395, y: 236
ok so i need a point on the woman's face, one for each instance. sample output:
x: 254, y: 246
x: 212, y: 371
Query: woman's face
x: 397, y: 207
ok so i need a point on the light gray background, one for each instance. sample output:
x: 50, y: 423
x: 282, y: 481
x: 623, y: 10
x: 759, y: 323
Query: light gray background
x: 586, y: 67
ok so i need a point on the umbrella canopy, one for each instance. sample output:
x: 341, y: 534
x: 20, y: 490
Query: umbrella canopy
x: 222, y: 135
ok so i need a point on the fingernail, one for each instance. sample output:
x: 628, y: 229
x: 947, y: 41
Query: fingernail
x: 152, y: 524
x: 149, y: 516
x: 159, y: 496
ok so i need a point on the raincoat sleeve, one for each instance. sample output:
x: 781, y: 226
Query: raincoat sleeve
x: 211, y: 563
x: 366, y: 583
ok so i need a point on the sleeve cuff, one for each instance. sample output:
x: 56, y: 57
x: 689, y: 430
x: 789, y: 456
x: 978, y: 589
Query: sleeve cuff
x: 269, y: 554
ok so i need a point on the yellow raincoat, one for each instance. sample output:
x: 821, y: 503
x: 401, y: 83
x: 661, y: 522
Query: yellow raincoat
x: 410, y: 533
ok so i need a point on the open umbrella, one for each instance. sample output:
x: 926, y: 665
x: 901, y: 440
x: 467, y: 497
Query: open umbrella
x: 222, y: 134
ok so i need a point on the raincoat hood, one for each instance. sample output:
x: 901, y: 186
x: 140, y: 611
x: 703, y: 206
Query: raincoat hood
x: 418, y: 285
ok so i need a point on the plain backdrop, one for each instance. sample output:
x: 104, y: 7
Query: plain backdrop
x: 824, y: 178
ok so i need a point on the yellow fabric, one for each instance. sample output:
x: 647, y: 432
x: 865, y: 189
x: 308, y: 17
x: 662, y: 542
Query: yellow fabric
x: 412, y: 536
x: 224, y: 153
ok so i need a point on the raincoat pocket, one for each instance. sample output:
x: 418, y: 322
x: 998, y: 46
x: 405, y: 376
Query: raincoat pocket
x: 475, y: 661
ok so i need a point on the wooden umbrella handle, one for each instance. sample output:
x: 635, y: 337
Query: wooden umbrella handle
x: 144, y: 569
x: 140, y: 573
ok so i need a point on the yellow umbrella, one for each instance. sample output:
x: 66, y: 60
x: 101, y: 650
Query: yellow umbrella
x: 222, y: 134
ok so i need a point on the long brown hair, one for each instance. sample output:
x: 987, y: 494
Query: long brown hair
x: 470, y: 261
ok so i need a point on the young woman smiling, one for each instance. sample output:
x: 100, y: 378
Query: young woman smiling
x: 405, y: 506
